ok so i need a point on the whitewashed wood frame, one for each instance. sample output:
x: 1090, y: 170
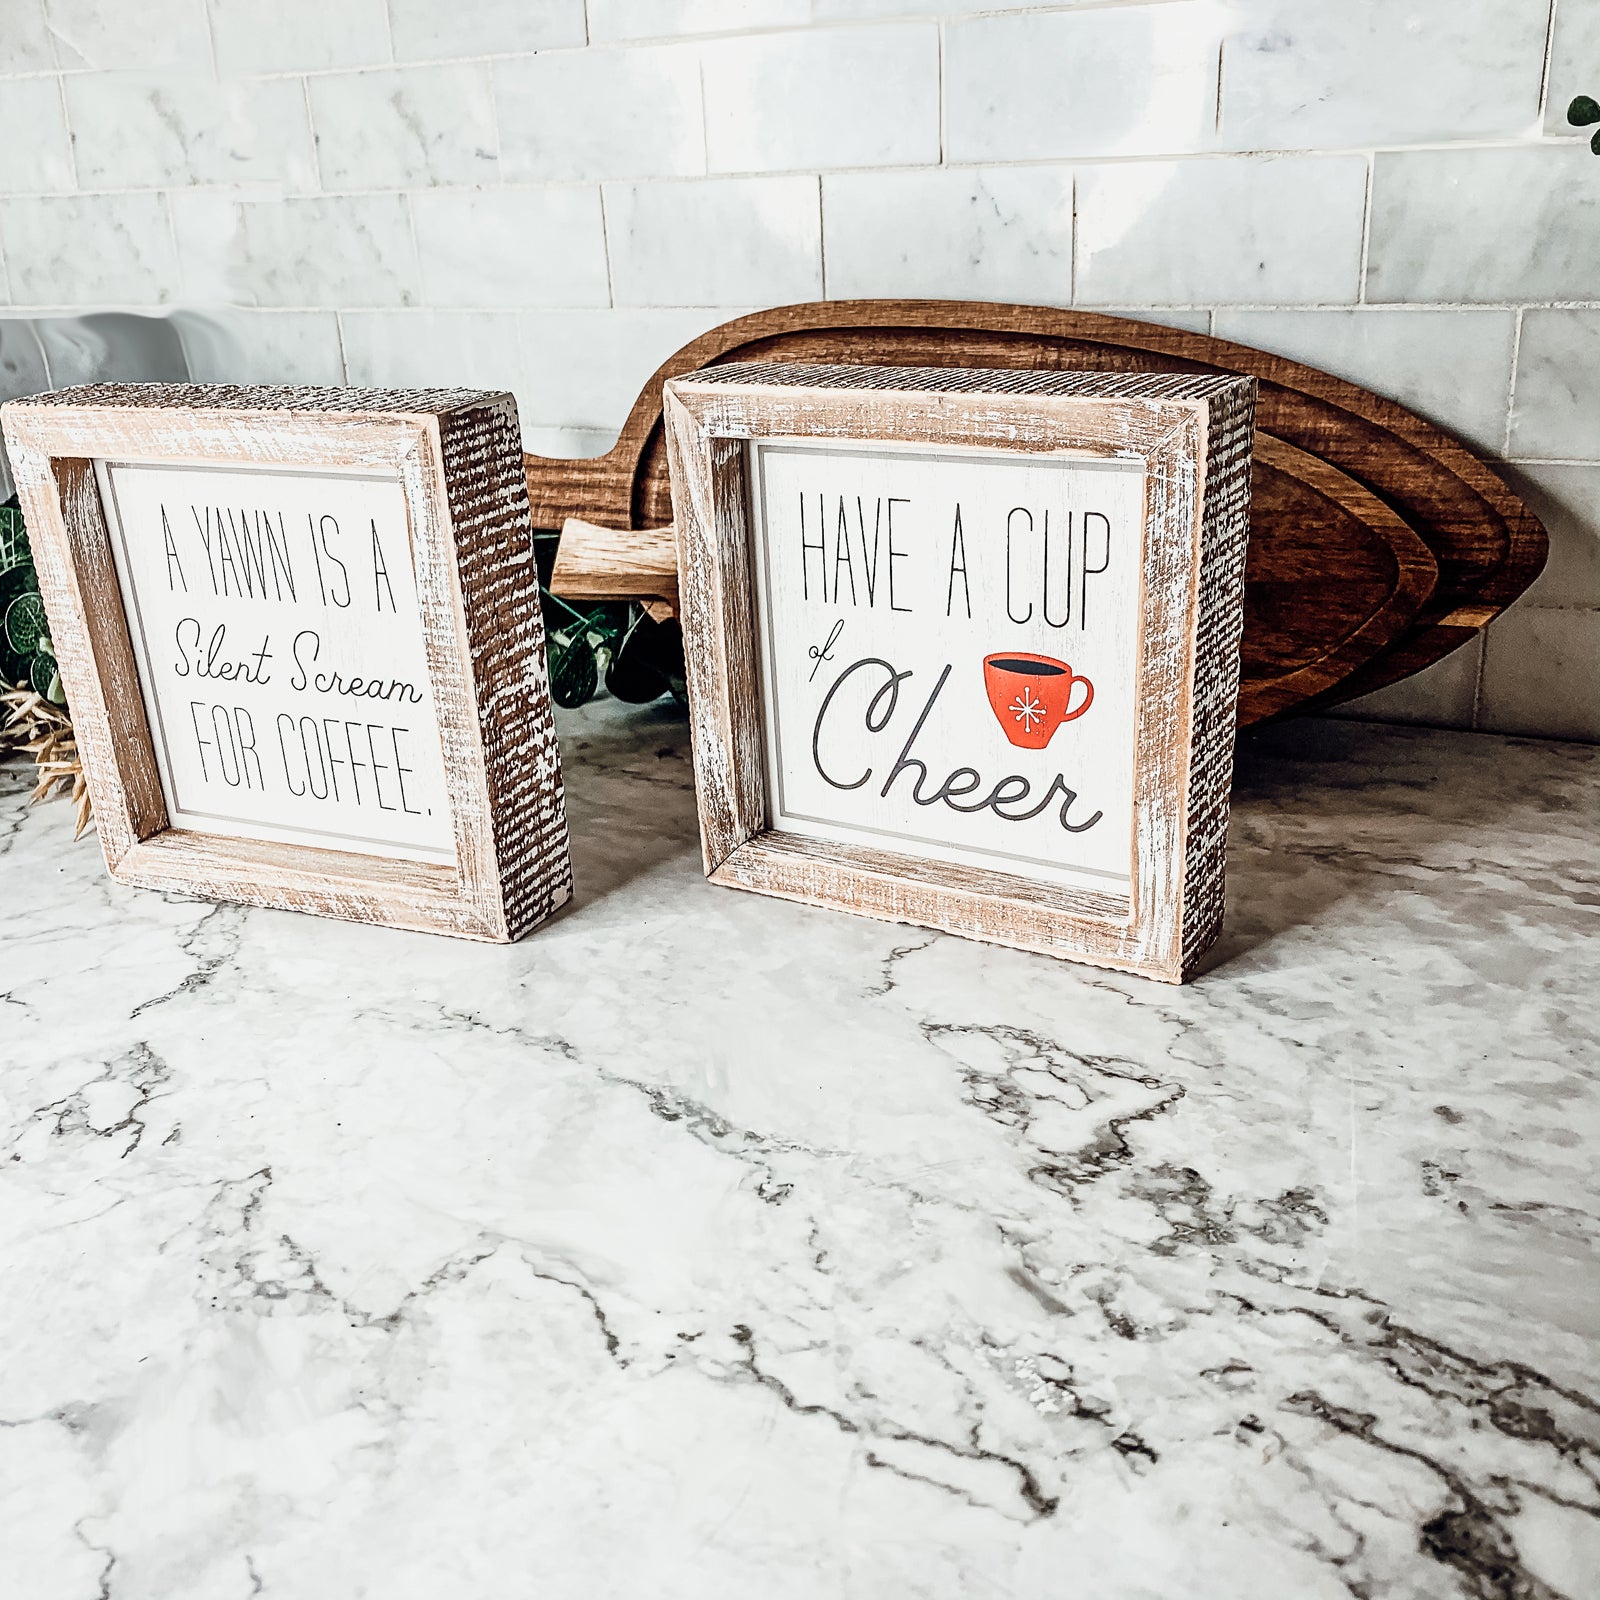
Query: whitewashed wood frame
x: 456, y: 456
x: 1191, y: 434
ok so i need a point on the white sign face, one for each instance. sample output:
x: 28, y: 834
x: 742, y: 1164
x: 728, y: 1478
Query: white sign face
x: 949, y: 652
x: 279, y: 644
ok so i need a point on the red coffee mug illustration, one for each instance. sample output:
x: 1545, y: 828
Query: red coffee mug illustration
x: 1031, y: 696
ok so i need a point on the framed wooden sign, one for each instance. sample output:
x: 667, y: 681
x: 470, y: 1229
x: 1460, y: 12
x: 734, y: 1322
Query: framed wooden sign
x: 963, y: 646
x: 300, y: 637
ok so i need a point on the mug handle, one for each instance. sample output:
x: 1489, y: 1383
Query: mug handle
x: 1088, y: 699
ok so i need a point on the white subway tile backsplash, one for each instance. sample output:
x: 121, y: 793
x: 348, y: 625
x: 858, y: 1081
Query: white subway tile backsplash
x: 592, y: 114
x: 554, y: 195
x: 230, y: 346
x: 427, y: 30
x: 586, y: 368
x: 1541, y: 673
x: 511, y: 247
x: 836, y: 97
x: 1000, y: 234
x: 1485, y: 225
x: 89, y: 250
x: 347, y: 250
x: 416, y: 349
x: 1278, y: 230
x: 297, y: 35
x: 25, y: 44
x: 35, y: 153
x: 1555, y: 408
x: 1191, y: 321
x: 1566, y: 499
x: 410, y: 128
x: 562, y: 442
x: 1298, y: 76
x: 611, y: 20
x: 125, y: 34
x: 1113, y: 81
x: 1574, y: 64
x: 729, y: 241
x: 171, y: 130
x: 1444, y: 695
x: 1453, y: 367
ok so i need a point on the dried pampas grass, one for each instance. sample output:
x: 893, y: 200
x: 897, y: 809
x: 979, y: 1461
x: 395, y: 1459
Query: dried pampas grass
x: 44, y: 731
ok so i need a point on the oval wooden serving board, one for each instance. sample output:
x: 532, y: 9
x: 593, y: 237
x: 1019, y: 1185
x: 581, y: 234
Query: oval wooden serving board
x: 1378, y: 543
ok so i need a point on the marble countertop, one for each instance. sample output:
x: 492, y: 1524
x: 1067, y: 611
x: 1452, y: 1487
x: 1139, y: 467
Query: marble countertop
x: 704, y: 1245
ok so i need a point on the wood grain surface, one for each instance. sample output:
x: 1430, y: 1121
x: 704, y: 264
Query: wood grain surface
x: 596, y: 563
x: 1336, y: 601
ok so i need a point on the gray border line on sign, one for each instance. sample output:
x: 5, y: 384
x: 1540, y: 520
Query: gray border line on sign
x: 759, y: 447
x: 167, y: 769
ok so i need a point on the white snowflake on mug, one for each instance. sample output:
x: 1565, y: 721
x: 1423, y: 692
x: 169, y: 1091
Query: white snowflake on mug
x: 1026, y: 710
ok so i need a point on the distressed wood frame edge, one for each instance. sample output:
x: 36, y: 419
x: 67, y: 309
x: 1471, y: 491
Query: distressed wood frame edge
x: 1201, y: 611
x: 512, y: 864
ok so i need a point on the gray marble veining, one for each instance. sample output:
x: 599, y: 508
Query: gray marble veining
x: 705, y: 1245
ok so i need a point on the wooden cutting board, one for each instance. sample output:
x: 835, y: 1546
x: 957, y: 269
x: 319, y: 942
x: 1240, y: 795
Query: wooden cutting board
x: 1378, y: 543
x: 1303, y: 635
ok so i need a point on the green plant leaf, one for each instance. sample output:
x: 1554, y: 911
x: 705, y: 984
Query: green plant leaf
x: 1594, y: 143
x: 574, y: 675
x: 45, y: 679
x: 14, y: 550
x: 25, y: 623
x: 1583, y: 110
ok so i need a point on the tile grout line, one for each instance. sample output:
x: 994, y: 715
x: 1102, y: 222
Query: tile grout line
x: 211, y: 40
x: 1072, y: 251
x: 822, y: 241
x: 1544, y: 70
x: 605, y: 246
x: 416, y: 254
x: 494, y: 123
x: 1176, y: 158
x: 1366, y: 232
x: 705, y: 118
x: 311, y: 128
x: 179, y: 266
x: 66, y: 127
x: 1511, y: 381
